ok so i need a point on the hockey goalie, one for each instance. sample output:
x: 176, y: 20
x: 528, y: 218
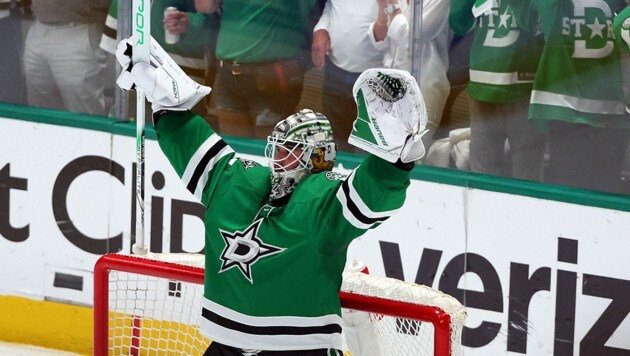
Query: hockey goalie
x: 276, y: 236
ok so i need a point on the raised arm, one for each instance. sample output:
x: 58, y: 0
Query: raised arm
x: 371, y: 194
x: 460, y: 18
x: 391, y: 120
x: 198, y: 155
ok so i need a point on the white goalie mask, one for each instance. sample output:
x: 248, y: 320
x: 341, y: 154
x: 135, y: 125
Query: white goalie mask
x: 300, y: 145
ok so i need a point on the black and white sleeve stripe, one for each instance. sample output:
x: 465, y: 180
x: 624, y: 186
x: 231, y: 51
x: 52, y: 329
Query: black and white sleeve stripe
x: 108, y: 39
x: 355, y: 211
x: 202, y: 163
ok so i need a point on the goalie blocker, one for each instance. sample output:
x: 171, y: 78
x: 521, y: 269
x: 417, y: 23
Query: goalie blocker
x: 165, y: 83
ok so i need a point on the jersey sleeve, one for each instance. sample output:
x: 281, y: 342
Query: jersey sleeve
x: 324, y: 18
x: 197, y: 153
x: 460, y: 18
x: 372, y: 193
x: 434, y: 16
x: 108, y: 38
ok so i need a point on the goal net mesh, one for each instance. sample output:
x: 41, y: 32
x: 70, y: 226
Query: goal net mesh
x: 152, y: 306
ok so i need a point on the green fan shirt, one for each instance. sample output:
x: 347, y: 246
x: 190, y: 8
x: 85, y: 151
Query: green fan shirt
x: 503, y: 57
x: 579, y: 77
x: 263, y: 30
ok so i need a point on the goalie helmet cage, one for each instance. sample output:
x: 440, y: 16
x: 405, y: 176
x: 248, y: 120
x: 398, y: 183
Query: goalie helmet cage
x: 150, y: 305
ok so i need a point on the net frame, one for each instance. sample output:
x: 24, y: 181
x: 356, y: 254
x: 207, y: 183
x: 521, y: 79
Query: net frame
x: 376, y: 295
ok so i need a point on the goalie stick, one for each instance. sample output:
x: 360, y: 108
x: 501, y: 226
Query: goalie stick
x: 141, y: 25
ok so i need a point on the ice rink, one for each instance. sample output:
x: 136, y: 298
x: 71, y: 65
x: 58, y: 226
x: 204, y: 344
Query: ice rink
x: 10, y: 349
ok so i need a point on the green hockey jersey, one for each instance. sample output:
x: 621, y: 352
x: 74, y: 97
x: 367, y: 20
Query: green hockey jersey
x: 190, y: 52
x: 273, y: 272
x: 579, y: 77
x: 503, y: 58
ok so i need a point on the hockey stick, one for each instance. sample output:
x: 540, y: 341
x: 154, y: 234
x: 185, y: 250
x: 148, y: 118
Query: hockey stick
x: 141, y: 24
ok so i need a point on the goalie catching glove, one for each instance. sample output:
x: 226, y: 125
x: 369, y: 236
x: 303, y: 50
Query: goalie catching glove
x: 164, y: 83
x: 391, y: 115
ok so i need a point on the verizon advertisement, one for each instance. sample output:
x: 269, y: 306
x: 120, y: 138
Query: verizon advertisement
x: 538, y: 277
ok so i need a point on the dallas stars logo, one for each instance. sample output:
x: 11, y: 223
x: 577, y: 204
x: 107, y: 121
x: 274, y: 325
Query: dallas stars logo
x: 502, y: 28
x: 335, y: 176
x: 590, y: 28
x: 244, y: 248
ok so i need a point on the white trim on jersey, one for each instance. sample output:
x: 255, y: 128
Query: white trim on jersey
x: 354, y: 208
x: 108, y: 44
x: 578, y: 104
x: 203, y: 180
x: 111, y: 22
x: 494, y: 78
x: 195, y: 177
x: 197, y: 156
x: 278, y: 333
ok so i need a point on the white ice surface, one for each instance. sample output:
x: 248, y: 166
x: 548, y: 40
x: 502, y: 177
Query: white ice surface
x: 11, y: 349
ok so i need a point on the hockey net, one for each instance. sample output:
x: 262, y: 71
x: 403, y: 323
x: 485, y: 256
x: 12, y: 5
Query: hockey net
x: 151, y: 305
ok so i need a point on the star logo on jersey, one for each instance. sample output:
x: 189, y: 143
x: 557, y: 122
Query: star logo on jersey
x: 596, y: 28
x: 244, y: 248
x: 504, y: 19
x: 590, y: 29
x: 502, y: 28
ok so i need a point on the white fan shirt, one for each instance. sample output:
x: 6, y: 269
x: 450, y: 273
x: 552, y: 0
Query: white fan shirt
x: 352, y: 42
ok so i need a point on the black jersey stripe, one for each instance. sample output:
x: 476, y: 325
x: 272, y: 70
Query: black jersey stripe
x: 201, y: 167
x: 110, y: 32
x: 345, y: 186
x: 269, y: 330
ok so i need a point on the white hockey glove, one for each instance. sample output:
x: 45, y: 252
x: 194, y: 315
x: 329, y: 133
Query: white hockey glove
x: 391, y: 115
x: 165, y: 84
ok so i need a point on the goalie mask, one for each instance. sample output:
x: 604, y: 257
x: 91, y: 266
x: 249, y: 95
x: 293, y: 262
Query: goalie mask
x: 299, y: 146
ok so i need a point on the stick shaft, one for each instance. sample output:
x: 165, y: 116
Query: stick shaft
x: 141, y: 23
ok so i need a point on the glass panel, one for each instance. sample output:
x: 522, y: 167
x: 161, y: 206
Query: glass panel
x: 527, y: 89
x: 545, y: 90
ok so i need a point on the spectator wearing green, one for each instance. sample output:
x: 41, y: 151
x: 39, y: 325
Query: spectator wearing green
x: 503, y: 62
x: 260, y: 72
x: 578, y: 97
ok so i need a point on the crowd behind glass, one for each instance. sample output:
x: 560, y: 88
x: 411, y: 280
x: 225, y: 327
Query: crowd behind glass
x: 536, y: 90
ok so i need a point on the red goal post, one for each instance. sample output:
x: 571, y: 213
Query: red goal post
x: 151, y: 305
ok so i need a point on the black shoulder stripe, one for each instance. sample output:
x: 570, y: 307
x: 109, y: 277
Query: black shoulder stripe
x: 355, y: 210
x: 213, y: 151
x: 110, y: 32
